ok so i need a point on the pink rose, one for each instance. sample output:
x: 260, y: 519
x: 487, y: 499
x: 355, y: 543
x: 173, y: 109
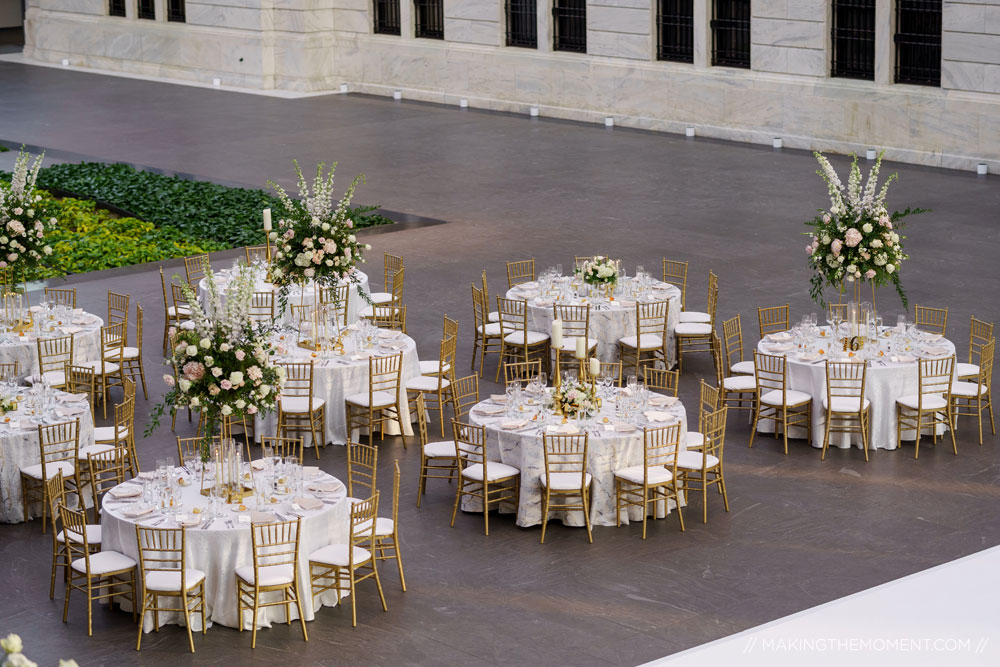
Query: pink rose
x: 254, y: 373
x: 214, y: 390
x: 809, y: 249
x: 349, y: 223
x: 835, y: 247
x: 168, y: 380
x: 282, y: 349
x: 3, y: 265
x: 241, y: 355
x: 252, y: 410
x: 194, y: 370
x: 826, y: 218
x: 309, y: 273
x: 869, y: 274
x: 852, y: 237
x: 226, y: 384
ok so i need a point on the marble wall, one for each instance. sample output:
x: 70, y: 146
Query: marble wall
x: 315, y: 45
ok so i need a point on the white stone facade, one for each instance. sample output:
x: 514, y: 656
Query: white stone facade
x: 315, y: 45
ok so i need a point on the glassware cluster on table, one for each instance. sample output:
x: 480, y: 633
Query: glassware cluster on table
x: 534, y: 402
x: 359, y: 336
x: 879, y: 341
x: 36, y: 404
x: 557, y: 287
x: 46, y: 319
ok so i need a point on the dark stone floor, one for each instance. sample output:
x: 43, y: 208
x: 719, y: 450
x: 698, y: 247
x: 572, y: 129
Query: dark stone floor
x: 801, y: 531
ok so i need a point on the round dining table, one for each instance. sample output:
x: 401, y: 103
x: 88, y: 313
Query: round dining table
x: 23, y: 347
x: 614, y: 443
x: 610, y: 319
x: 220, y: 545
x: 891, y: 373
x: 19, y: 444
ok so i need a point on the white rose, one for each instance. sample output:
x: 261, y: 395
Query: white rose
x: 236, y: 377
x: 850, y: 277
x: 826, y: 239
x: 206, y: 343
x: 876, y: 243
x: 890, y: 268
x: 47, y: 250
x: 240, y: 404
x: 225, y: 347
x: 867, y: 228
x: 326, y: 226
x: 192, y: 350
x: 209, y: 360
x: 31, y: 212
x: 18, y: 660
x: 264, y: 390
x: 4, y: 240
x: 851, y: 268
x: 895, y: 237
x: 12, y: 644
x: 352, y: 238
x: 227, y: 410
x: 216, y: 371
x: 840, y: 259
x: 184, y: 384
x: 329, y: 262
x: 195, y: 402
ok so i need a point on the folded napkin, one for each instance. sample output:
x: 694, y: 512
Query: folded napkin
x: 902, y: 359
x: 492, y: 410
x: 622, y: 427
x: 657, y: 416
x: 71, y: 330
x: 498, y: 398
x: 262, y: 517
x: 389, y: 334
x: 16, y: 425
x: 307, y: 503
x: 126, y: 491
x: 257, y: 465
x: 781, y: 347
x: 665, y: 401
x: 324, y: 487
x: 812, y: 356
x: 929, y: 336
x: 148, y: 474
x: 563, y: 429
x: 84, y: 319
x: 526, y: 293
x: 936, y: 351
x: 528, y: 285
x: 543, y: 303
x: 310, y: 472
x: 514, y: 424
x: 35, y: 309
x: 71, y: 398
x: 188, y: 519
x: 136, y: 512
x: 779, y: 336
x: 70, y: 412
x: 626, y: 303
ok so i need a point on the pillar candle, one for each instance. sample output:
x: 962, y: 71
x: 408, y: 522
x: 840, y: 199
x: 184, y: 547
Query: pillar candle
x: 581, y: 348
x: 557, y: 338
x: 595, y: 366
x: 267, y: 219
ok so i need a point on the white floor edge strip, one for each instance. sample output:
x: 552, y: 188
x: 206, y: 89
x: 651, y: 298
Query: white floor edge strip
x: 944, y: 616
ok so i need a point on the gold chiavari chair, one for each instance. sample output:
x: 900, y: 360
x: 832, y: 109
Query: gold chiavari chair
x: 132, y: 356
x: 566, y: 477
x: 108, y: 370
x: 257, y: 253
x: 774, y: 400
x: 100, y: 575
x: 390, y: 317
x: 704, y: 466
x: 336, y: 567
x: 62, y: 296
x: 119, y: 434
x: 488, y: 335
x: 262, y: 307
x: 492, y: 316
x: 576, y: 324
x: 655, y: 480
x: 434, y: 367
x: 118, y: 305
x: 521, y: 371
x: 969, y: 399
x: 847, y: 409
x: 709, y: 402
x: 381, y: 403
x: 81, y: 380
x: 164, y: 571
x: 58, y: 446
x: 492, y: 482
x: 60, y: 552
x: 737, y: 392
x: 697, y: 336
x: 933, y: 320
x: 436, y: 389
x: 302, y: 315
x: 650, y: 341
x: 708, y: 317
x: 435, y: 457
x: 299, y: 409
x: 980, y: 333
x: 9, y: 371
x: 732, y: 331
x: 105, y: 470
x: 394, y: 297
x: 53, y: 355
x: 195, y: 268
x: 188, y: 448
x: 676, y: 273
x: 837, y: 311
x: 464, y: 394
x: 275, y: 569
x: 283, y: 447
x: 338, y: 296
x: 181, y: 304
x: 172, y: 315
x: 518, y: 343
x: 387, y: 531
x: 392, y: 264
x: 661, y: 380
x: 362, y: 470
x: 522, y: 271
x: 931, y: 405
x: 773, y: 319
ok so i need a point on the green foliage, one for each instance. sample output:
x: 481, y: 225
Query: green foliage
x: 90, y: 239
x: 201, y: 210
x: 3, y: 149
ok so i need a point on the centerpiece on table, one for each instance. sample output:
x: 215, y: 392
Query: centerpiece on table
x: 600, y: 271
x: 574, y: 399
x: 315, y: 242
x: 857, y: 239
x: 23, y: 223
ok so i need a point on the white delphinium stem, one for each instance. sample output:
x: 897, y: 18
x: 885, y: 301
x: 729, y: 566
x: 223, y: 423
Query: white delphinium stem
x: 833, y: 183
x: 871, y: 186
x: 854, y: 186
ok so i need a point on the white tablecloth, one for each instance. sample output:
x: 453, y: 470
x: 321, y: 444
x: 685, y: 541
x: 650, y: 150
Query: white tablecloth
x: 335, y: 377
x: 219, y: 550
x: 885, y: 382
x: 86, y: 330
x: 609, y: 320
x: 608, y: 450
x: 19, y: 447
x: 355, y: 302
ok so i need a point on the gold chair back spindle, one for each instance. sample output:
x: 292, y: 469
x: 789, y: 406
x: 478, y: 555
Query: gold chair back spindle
x: 661, y: 380
x: 933, y: 320
x: 362, y: 469
x: 773, y: 319
x: 195, y: 268
x: 676, y: 273
x: 381, y: 404
x: 521, y: 271
x: 649, y: 345
x: 62, y: 296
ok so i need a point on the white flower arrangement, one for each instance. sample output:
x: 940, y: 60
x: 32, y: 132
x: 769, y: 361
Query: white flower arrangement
x: 23, y: 223
x: 599, y: 271
x: 574, y: 399
x: 13, y: 649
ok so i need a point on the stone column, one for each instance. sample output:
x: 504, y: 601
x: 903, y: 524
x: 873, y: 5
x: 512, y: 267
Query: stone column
x: 885, y: 51
x: 702, y: 42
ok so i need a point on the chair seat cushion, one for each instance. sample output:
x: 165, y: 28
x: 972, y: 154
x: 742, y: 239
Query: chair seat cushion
x: 96, y: 365
x: 657, y: 475
x: 426, y: 383
x: 443, y: 449
x: 171, y: 581
x: 380, y: 399
x: 968, y: 389
x: 491, y: 329
x: 182, y: 310
x: 383, y: 528
x: 104, y: 562
x: 695, y: 316
x: 54, y: 378
x: 94, y: 449
x: 534, y: 337
x: 130, y: 353
x: 107, y: 434
x: 433, y: 367
x: 93, y: 535
x: 566, y: 481
x: 646, y: 342
x: 695, y: 460
x: 569, y: 344
x: 693, y: 329
x: 740, y: 383
x: 380, y: 297
x: 270, y: 575
x: 495, y: 470
x: 743, y: 368
x: 931, y: 401
x: 846, y: 404
x: 51, y: 469
x: 792, y: 397
x: 369, y: 312
x: 494, y: 316
x: 337, y: 554
x: 300, y: 403
x: 964, y: 370
x: 694, y: 440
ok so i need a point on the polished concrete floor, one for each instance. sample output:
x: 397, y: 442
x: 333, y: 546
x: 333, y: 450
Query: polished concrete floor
x: 801, y: 532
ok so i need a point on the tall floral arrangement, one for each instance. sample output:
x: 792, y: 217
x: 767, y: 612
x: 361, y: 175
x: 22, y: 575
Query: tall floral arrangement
x: 314, y: 238
x: 223, y: 364
x: 856, y: 239
x: 22, y: 221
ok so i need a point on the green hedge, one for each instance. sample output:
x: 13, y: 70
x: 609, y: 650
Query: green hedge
x: 201, y: 210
